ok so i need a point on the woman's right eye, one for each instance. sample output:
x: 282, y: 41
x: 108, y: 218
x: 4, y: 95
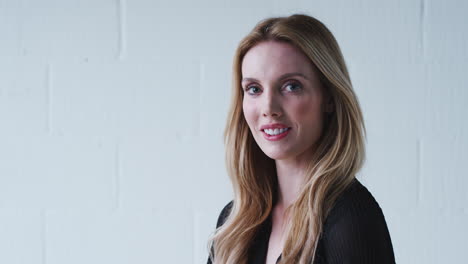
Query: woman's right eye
x: 252, y: 89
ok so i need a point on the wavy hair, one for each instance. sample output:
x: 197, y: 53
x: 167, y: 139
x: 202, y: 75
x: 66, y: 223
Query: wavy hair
x: 339, y: 155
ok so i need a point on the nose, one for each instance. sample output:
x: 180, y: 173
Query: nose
x: 271, y: 105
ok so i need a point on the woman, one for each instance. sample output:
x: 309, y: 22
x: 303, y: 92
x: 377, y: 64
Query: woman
x: 294, y: 143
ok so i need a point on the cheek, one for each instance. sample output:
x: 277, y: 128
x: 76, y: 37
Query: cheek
x: 249, y: 112
x: 308, y: 113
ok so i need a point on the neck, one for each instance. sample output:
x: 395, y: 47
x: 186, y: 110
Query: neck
x: 291, y: 174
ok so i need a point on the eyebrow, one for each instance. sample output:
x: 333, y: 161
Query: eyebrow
x: 284, y: 76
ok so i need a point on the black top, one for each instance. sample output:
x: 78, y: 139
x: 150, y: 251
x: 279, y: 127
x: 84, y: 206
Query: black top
x: 355, y: 232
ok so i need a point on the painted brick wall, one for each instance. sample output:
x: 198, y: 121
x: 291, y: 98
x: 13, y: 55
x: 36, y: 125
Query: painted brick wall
x: 112, y: 113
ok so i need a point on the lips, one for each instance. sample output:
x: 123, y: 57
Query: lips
x: 273, y: 126
x: 275, y: 137
x: 281, y: 131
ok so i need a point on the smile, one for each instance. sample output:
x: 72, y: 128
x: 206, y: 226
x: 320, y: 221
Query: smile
x: 275, y: 134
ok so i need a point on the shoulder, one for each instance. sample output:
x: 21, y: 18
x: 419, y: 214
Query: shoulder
x: 356, y: 192
x: 356, y: 199
x: 356, y: 230
x: 224, y: 214
x: 221, y: 219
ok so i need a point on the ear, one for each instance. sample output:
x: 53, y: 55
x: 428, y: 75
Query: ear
x: 329, y: 105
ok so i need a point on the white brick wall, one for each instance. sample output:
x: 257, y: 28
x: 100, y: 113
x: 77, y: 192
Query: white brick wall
x: 112, y: 112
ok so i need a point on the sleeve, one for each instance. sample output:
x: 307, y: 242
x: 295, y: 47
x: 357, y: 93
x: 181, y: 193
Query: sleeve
x: 357, y: 234
x: 221, y: 219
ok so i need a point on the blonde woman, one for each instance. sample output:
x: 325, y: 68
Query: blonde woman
x: 294, y: 143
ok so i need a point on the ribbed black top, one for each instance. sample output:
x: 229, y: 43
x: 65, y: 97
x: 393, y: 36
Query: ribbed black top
x: 355, y: 232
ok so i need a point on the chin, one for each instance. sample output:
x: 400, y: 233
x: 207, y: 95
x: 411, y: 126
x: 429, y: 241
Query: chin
x: 277, y: 155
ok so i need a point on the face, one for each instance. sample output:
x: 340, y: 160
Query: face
x: 282, y: 100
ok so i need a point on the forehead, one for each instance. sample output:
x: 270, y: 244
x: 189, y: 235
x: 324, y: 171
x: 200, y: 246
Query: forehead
x: 272, y: 58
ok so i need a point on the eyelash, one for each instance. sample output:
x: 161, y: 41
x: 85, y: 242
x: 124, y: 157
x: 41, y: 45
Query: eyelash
x: 248, y: 87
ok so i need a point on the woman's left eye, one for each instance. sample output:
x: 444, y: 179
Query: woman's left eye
x: 292, y: 86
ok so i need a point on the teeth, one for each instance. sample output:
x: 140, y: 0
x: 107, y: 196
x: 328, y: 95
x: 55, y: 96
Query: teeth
x: 276, y: 131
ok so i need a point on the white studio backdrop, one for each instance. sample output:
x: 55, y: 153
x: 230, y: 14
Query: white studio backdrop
x: 112, y: 114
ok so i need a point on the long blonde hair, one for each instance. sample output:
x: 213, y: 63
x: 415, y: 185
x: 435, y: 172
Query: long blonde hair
x: 338, y: 157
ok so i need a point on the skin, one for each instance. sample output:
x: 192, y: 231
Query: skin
x: 297, y: 102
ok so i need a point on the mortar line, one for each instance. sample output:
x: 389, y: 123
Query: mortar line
x: 117, y: 178
x: 195, y: 235
x: 422, y: 21
x: 122, y: 21
x: 43, y: 217
x: 49, y: 97
x: 200, y: 95
x: 419, y: 168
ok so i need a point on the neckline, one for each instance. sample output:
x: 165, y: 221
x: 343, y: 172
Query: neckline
x: 267, y: 225
x: 267, y: 233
